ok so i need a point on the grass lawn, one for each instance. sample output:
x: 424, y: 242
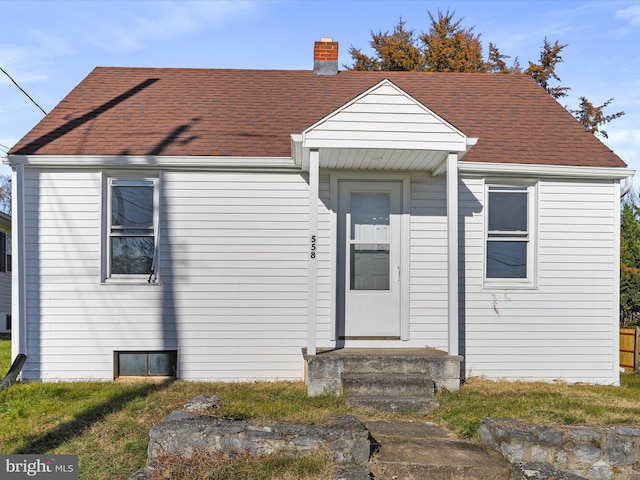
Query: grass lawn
x: 107, y: 424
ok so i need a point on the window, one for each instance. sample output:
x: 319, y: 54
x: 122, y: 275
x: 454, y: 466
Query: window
x: 509, y: 249
x: 146, y: 364
x: 369, y: 241
x: 5, y: 252
x: 132, y: 228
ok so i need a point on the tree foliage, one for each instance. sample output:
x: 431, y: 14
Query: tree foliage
x: 630, y: 262
x: 449, y: 47
x: 593, y: 117
x: 5, y: 194
x: 544, y: 71
x: 497, y: 64
x: 395, y: 52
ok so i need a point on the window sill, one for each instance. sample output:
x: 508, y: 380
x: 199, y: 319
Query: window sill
x: 508, y: 286
x: 130, y: 281
x: 144, y: 378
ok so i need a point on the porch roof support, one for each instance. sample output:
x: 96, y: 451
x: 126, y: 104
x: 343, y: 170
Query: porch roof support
x: 312, y: 283
x: 18, y: 276
x: 452, y: 250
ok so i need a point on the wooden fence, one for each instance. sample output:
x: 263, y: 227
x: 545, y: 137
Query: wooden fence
x: 629, y: 344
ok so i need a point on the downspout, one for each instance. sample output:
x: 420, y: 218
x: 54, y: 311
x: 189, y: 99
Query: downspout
x: 628, y: 183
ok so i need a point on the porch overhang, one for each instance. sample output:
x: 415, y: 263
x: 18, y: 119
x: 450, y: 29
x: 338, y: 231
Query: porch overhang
x: 383, y: 129
x: 380, y: 159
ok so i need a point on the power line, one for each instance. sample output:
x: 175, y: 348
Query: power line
x: 4, y: 147
x: 22, y: 90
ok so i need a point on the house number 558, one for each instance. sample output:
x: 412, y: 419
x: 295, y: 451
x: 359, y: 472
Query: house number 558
x: 313, y: 246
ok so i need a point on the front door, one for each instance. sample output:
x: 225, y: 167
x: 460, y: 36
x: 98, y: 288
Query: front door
x: 369, y: 218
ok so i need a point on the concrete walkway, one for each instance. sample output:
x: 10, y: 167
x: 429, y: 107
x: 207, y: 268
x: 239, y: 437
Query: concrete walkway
x: 419, y: 450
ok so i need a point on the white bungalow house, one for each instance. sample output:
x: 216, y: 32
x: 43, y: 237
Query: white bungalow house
x: 5, y: 272
x: 211, y: 224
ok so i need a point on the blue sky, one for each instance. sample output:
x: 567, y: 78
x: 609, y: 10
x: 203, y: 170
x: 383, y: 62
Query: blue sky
x: 48, y: 47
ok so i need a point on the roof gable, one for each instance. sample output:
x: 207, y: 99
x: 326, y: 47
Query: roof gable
x: 384, y: 116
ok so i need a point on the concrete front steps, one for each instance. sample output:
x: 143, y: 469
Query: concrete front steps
x: 390, y: 391
x: 419, y: 451
x: 390, y: 379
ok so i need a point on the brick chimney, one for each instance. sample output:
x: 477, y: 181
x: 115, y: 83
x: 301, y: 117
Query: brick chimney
x: 325, y: 57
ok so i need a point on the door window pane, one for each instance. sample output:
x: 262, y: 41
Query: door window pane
x: 370, y: 237
x: 369, y: 267
x: 370, y: 217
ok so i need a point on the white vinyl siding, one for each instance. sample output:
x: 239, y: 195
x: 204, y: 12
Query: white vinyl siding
x: 563, y: 328
x: 385, y: 117
x: 428, y: 307
x: 232, y: 293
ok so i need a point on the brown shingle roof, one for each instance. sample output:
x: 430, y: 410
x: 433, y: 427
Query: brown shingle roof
x: 187, y: 112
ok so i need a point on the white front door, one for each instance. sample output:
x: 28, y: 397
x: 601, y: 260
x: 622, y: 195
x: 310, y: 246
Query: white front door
x: 369, y: 274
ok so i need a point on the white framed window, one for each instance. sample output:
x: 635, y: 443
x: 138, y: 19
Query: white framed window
x: 5, y: 252
x: 144, y: 363
x: 131, y: 229
x: 509, y: 240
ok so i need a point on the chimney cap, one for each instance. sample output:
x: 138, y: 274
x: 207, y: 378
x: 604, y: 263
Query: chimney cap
x: 326, y: 39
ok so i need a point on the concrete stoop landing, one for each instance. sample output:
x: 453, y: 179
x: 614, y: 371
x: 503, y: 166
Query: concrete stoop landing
x: 389, y: 379
x: 419, y: 451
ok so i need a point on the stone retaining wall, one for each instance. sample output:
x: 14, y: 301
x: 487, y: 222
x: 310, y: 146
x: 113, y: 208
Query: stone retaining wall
x: 593, y: 452
x: 346, y: 440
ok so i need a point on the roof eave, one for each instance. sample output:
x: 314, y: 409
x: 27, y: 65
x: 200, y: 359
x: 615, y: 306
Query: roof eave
x: 145, y: 161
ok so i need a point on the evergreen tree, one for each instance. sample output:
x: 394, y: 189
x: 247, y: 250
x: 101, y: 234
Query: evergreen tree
x: 395, y: 51
x: 497, y: 64
x: 630, y: 262
x: 545, y: 70
x: 448, y: 47
x: 593, y: 117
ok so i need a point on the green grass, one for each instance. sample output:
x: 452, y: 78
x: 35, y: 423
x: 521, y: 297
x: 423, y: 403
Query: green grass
x: 107, y: 424
x: 539, y: 402
x: 5, y: 354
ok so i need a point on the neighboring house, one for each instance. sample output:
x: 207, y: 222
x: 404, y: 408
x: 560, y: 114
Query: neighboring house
x: 212, y: 223
x: 5, y: 272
